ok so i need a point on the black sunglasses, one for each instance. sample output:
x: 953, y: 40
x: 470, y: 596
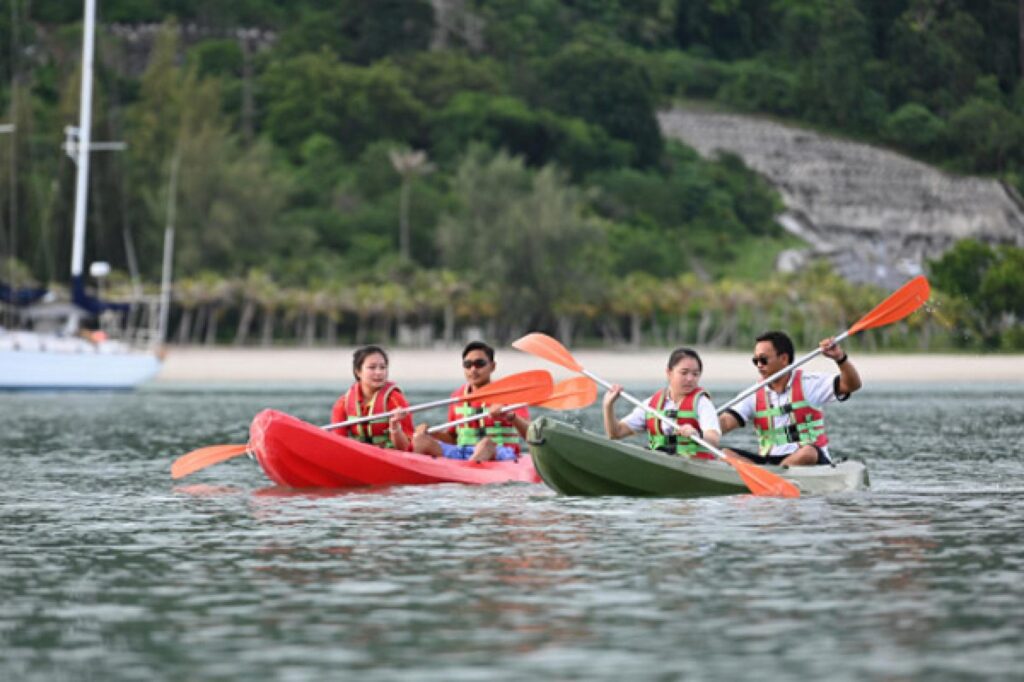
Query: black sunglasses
x: 479, y: 363
x: 759, y: 360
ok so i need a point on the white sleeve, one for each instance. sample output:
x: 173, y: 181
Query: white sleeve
x: 745, y: 408
x: 819, y: 389
x: 637, y: 420
x: 706, y: 415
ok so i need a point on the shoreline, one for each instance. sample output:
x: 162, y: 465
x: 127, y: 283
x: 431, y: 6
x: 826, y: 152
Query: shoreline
x: 432, y: 367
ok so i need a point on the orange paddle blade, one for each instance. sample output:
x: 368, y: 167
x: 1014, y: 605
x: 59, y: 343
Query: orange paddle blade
x: 203, y: 457
x: 543, y: 346
x: 761, y: 482
x: 571, y: 394
x: 898, y: 305
x: 525, y: 387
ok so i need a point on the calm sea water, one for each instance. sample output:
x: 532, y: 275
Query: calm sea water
x: 109, y: 570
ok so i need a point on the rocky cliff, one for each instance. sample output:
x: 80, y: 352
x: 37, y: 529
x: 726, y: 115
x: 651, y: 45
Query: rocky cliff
x: 877, y: 215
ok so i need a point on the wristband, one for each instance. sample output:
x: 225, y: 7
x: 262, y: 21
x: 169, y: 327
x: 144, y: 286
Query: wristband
x: 843, y: 359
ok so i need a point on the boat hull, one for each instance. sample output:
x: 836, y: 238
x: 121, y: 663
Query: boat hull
x: 297, y: 454
x: 22, y: 370
x: 572, y: 461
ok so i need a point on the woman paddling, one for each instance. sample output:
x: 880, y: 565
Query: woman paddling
x: 682, y: 400
x: 371, y: 394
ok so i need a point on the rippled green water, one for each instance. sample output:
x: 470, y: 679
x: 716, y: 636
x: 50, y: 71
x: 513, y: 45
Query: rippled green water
x: 111, y: 571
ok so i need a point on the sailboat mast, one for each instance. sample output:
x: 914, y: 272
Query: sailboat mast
x: 84, y: 142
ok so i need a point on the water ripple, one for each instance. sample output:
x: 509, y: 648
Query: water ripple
x: 110, y: 570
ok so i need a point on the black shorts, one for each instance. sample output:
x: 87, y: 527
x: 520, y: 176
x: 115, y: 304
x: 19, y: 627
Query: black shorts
x: 775, y: 460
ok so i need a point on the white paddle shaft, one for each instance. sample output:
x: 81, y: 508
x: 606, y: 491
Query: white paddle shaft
x: 782, y: 372
x: 473, y: 418
x: 664, y: 420
x: 388, y: 415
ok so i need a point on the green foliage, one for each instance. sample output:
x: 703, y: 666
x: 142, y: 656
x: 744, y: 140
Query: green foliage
x: 315, y: 93
x: 540, y: 136
x: 933, y: 56
x: 987, y: 135
x: 988, y: 288
x: 218, y: 58
x: 578, y: 188
x: 729, y: 29
x: 435, y: 77
x: 603, y: 85
x: 962, y: 268
x: 691, y: 200
x: 756, y: 86
x: 360, y: 31
x: 1002, y: 288
x: 914, y: 128
x: 522, y: 231
x: 679, y: 74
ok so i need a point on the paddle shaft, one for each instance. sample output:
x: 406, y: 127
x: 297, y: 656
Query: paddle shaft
x: 664, y: 420
x: 473, y: 418
x: 781, y: 373
x: 388, y: 415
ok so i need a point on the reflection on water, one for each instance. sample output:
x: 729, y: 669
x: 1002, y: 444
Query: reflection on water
x: 111, y: 570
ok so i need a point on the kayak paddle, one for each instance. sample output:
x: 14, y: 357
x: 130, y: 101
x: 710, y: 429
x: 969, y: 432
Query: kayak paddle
x: 571, y: 394
x: 758, y: 480
x: 204, y: 457
x: 529, y: 387
x: 898, y: 305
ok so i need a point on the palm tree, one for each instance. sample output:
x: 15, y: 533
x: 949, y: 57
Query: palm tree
x: 248, y: 290
x: 409, y: 165
x: 188, y: 294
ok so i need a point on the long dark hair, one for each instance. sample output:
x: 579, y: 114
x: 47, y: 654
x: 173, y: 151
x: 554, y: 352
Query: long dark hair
x: 360, y: 356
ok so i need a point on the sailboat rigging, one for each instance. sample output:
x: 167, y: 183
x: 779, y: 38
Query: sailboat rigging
x: 67, y: 356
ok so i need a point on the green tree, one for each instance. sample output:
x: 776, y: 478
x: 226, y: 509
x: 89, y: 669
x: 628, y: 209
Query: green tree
x: 987, y: 135
x: 524, y: 232
x: 602, y: 84
x: 315, y: 93
x: 360, y: 31
x: 541, y: 137
x: 914, y: 128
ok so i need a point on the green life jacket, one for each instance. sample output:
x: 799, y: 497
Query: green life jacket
x: 473, y: 432
x: 808, y: 427
x: 685, y: 414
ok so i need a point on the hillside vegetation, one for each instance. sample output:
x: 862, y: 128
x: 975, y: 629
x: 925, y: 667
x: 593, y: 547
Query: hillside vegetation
x: 403, y: 170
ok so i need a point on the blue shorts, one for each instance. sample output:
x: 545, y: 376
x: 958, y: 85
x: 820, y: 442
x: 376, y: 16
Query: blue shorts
x: 503, y: 453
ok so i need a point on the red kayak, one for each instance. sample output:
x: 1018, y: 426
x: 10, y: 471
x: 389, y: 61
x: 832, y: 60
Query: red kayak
x: 298, y: 454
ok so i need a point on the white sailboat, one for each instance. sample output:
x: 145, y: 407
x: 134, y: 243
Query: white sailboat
x: 55, y: 354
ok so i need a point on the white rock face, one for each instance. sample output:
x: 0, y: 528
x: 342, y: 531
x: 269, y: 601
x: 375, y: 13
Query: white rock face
x: 876, y: 214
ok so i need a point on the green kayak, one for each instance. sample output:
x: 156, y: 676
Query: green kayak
x: 576, y: 462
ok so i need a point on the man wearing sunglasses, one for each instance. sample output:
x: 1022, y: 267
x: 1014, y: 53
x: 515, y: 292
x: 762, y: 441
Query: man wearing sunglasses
x: 787, y: 413
x: 495, y: 436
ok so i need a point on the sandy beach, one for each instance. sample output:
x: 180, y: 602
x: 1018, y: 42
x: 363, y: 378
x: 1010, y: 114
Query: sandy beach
x: 198, y: 365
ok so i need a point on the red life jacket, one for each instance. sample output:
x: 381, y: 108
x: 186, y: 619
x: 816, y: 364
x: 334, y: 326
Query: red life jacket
x: 473, y: 432
x: 377, y: 431
x: 808, y: 427
x: 686, y: 413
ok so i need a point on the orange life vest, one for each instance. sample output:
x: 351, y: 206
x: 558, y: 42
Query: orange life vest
x: 377, y: 431
x: 808, y: 427
x: 686, y: 413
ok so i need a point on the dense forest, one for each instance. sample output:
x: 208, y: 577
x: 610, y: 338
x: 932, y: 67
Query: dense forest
x: 407, y: 171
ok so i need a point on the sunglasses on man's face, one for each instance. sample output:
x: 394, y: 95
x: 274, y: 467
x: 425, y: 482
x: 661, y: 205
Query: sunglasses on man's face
x: 760, y: 360
x: 479, y: 363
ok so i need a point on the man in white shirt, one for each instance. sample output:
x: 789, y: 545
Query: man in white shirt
x: 787, y: 414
